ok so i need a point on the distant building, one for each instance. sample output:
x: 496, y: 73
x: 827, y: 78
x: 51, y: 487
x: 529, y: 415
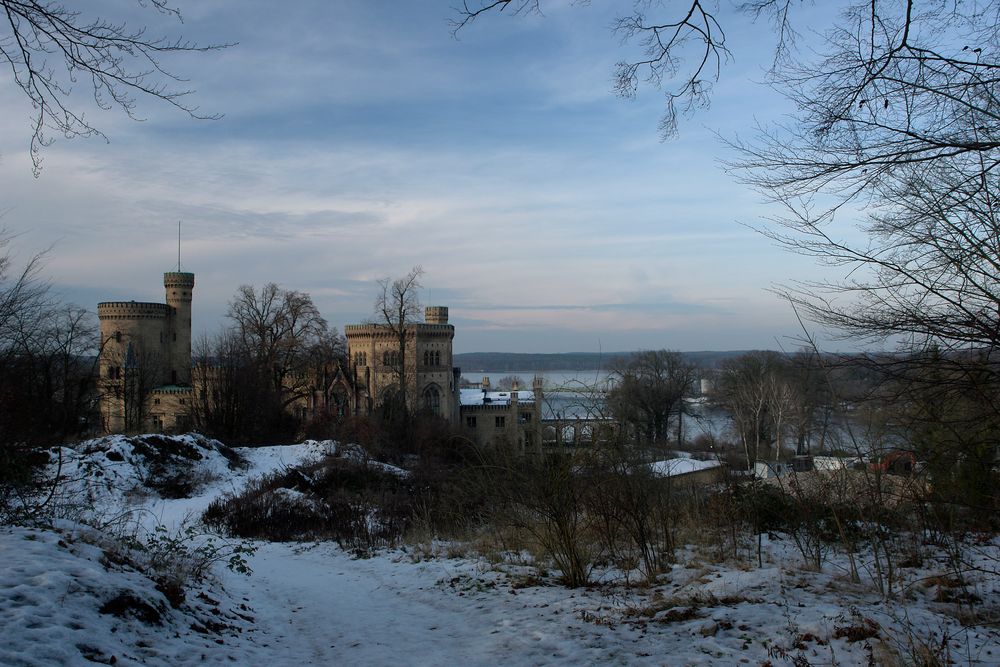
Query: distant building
x: 503, y: 417
x: 146, y: 383
x: 487, y: 417
x: 432, y: 382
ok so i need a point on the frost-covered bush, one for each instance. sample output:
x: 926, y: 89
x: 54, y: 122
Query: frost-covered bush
x: 360, y: 504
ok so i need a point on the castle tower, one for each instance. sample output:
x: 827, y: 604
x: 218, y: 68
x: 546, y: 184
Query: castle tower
x: 133, y: 351
x: 179, y: 287
x: 436, y: 315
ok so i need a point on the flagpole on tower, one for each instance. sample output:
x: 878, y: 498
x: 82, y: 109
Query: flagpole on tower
x: 178, y: 246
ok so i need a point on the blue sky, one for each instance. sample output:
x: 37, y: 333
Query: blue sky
x: 360, y: 139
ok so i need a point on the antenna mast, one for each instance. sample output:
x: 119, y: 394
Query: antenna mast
x: 178, y: 246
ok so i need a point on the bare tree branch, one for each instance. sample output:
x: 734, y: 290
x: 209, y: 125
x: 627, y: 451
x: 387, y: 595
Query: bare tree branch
x: 52, y: 51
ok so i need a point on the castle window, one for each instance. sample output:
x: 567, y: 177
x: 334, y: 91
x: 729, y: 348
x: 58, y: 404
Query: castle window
x: 118, y: 336
x: 500, y: 422
x: 182, y: 401
x: 437, y: 358
x: 156, y: 401
x: 470, y: 422
x: 525, y: 418
x: 175, y: 336
x: 432, y: 400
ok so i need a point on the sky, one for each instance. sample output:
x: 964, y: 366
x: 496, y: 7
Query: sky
x: 360, y: 138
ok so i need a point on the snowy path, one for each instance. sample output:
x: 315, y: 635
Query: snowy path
x: 317, y: 605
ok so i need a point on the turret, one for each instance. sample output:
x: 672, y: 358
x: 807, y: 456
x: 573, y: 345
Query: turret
x: 436, y: 315
x: 179, y: 287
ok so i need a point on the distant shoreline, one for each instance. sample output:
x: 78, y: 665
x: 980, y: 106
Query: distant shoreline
x: 568, y: 361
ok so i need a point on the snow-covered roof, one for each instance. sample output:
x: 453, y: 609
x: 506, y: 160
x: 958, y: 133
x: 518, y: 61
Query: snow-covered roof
x: 480, y: 397
x: 674, y: 467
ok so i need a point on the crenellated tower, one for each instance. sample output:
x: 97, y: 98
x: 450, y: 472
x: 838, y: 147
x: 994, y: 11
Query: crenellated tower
x: 179, y: 287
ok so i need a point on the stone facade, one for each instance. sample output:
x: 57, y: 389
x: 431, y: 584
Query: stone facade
x: 432, y: 381
x: 503, y: 418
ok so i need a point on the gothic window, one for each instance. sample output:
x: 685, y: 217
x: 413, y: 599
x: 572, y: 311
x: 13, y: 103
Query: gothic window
x: 432, y: 400
x: 437, y: 358
x: 500, y: 422
x: 118, y: 336
x: 470, y: 422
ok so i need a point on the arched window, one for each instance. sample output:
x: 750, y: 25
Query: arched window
x: 432, y: 400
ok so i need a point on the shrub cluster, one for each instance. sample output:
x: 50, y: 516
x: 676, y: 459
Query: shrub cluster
x: 360, y: 505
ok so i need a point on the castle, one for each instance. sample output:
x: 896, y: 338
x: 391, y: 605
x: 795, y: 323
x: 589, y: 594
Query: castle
x: 432, y: 381
x: 146, y: 384
x: 145, y: 360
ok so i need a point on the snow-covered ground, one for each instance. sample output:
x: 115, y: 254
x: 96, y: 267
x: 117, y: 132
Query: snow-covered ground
x: 65, y: 598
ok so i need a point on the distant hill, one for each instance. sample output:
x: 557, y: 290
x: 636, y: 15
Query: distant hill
x: 568, y: 361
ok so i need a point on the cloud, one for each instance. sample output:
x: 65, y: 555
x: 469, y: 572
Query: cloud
x: 361, y: 140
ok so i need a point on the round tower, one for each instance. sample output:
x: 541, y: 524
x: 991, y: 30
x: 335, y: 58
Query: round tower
x: 136, y: 322
x: 133, y: 350
x: 179, y: 287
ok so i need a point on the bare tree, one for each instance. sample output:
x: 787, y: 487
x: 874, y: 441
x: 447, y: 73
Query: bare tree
x: 396, y: 308
x: 52, y: 50
x: 141, y: 371
x: 277, y: 328
x: 648, y: 390
x: 47, y: 360
x: 744, y: 388
x: 228, y: 389
x: 275, y: 359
